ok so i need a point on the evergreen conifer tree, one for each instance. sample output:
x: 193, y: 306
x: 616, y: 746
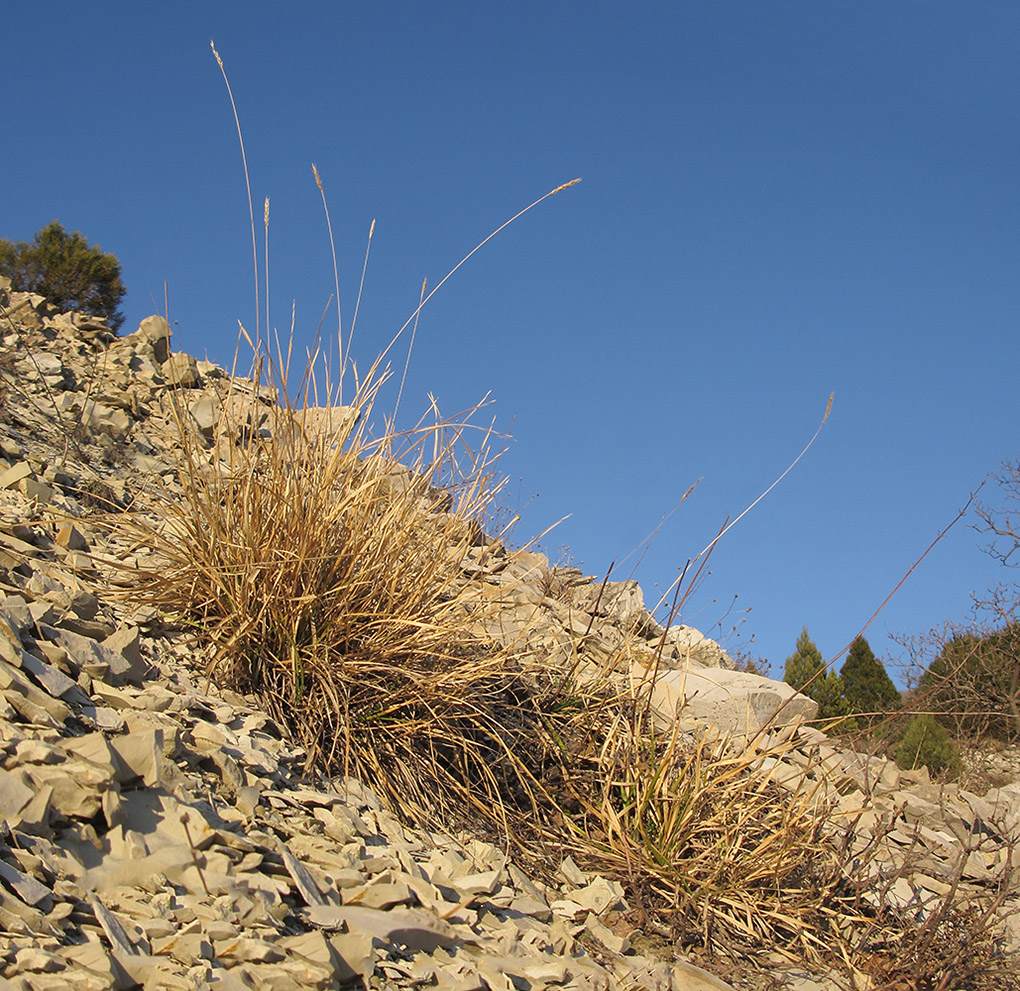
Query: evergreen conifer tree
x: 867, y: 686
x: 65, y: 269
x: 804, y: 664
x: 826, y: 689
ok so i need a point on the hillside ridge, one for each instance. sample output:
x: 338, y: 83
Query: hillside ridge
x: 164, y: 832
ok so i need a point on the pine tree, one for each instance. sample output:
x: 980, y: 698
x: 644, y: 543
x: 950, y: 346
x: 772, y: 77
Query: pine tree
x: 826, y: 689
x: 803, y: 665
x: 867, y: 686
x: 832, y: 703
x: 67, y: 271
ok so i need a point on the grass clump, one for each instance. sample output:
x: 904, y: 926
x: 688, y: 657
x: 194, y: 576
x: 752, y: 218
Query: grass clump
x: 322, y: 568
x: 715, y: 835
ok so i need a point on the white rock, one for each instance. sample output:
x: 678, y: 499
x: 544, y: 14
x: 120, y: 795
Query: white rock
x: 734, y: 702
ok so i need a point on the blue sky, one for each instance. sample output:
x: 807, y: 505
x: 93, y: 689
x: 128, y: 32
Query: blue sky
x: 779, y: 201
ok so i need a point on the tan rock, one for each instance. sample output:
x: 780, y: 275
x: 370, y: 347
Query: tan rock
x: 93, y: 959
x: 205, y: 412
x: 610, y: 940
x: 11, y: 476
x: 34, y: 816
x: 126, y: 643
x: 187, y: 948
x: 29, y: 700
x: 381, y: 896
x: 153, y: 336
x: 572, y: 873
x: 140, y: 755
x: 76, y: 787
x: 26, y: 887
x: 482, y: 883
x: 356, y: 956
x: 181, y: 370
x: 93, y: 747
x: 115, y: 423
x: 36, y: 491
x: 248, y: 950
x: 692, y: 978
x: 108, y: 663
x: 733, y: 702
x: 598, y: 896
x: 415, y: 929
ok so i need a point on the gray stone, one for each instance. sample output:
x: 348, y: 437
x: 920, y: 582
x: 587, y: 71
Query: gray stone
x: 734, y: 702
x: 115, y: 423
x: 69, y: 537
x: 113, y: 665
x: 181, y: 370
x: 621, y: 602
x: 205, y: 413
x: 127, y: 642
x: 15, y: 794
x: 45, y: 366
x: 691, y: 645
x: 155, y: 332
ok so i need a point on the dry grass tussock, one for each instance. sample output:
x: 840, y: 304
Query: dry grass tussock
x: 702, y: 830
x: 322, y: 566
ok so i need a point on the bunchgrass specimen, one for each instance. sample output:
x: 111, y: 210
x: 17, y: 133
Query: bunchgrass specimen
x: 322, y: 567
x: 707, y: 836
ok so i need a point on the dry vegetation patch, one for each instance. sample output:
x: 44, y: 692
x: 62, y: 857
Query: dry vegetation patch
x: 322, y: 567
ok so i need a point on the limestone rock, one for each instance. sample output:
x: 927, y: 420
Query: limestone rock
x: 622, y: 602
x: 106, y: 420
x: 153, y: 336
x: 181, y: 370
x: 691, y: 646
x: 733, y: 702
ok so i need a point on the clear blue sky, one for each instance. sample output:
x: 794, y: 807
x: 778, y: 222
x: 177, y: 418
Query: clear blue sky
x: 779, y: 200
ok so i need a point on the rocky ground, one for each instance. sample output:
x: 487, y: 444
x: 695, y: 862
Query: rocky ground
x: 161, y: 832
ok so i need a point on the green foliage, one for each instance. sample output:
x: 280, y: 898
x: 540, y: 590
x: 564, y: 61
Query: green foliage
x: 866, y: 685
x: 826, y: 688
x: 63, y: 267
x: 926, y: 743
x: 804, y: 664
x: 832, y: 703
x: 974, y: 683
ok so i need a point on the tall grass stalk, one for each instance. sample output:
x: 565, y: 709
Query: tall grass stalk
x: 247, y: 182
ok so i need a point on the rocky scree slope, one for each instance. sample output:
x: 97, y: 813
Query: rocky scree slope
x: 160, y: 832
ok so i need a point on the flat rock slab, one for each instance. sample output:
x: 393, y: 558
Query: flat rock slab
x: 734, y: 702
